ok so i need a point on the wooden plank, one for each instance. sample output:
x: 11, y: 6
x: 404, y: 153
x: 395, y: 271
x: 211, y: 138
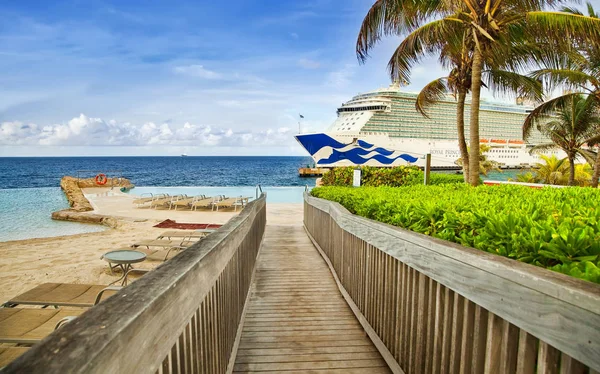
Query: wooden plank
x: 568, y: 365
x: 527, y: 353
x: 548, y: 358
x: 312, y: 365
x: 306, y: 350
x: 337, y: 356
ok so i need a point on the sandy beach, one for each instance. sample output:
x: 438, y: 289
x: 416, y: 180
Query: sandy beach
x: 77, y: 258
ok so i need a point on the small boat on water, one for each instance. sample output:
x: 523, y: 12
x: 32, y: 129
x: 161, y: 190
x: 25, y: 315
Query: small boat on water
x: 184, y: 155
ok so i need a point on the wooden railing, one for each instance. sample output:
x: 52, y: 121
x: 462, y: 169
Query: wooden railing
x: 432, y: 306
x: 183, y: 317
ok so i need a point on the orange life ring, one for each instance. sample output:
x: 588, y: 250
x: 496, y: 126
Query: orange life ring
x: 101, y: 179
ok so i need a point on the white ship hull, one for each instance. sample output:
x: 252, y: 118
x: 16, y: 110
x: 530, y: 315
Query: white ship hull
x: 347, y: 149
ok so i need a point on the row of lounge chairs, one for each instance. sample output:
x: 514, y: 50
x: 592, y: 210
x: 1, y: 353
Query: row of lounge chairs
x: 191, y: 202
x: 22, y: 327
x: 27, y: 326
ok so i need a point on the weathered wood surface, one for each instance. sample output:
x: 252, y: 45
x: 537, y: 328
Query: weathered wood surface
x: 296, y: 319
x: 456, y: 309
x: 182, y: 317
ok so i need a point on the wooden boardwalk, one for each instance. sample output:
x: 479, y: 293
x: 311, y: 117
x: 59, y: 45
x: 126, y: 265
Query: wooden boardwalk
x: 297, y: 320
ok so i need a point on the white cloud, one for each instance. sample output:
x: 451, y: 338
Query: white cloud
x: 197, y: 71
x: 309, y: 64
x: 87, y: 131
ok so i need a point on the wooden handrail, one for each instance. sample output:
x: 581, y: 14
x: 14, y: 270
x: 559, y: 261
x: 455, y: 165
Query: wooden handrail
x: 441, y: 307
x: 183, y: 316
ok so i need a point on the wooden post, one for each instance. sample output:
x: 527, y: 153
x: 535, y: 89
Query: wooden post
x: 427, y: 168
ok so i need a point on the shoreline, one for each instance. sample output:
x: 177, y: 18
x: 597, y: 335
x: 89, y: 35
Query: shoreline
x: 76, y: 258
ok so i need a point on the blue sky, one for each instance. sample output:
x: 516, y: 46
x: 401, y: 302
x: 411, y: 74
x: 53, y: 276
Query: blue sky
x: 168, y: 77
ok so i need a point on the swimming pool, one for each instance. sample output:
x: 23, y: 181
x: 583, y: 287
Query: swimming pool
x: 274, y: 194
x: 26, y: 214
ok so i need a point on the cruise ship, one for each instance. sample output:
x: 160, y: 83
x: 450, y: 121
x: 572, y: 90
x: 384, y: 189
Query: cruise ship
x: 383, y: 128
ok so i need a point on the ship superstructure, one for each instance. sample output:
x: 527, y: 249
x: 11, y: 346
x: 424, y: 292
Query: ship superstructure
x: 383, y: 128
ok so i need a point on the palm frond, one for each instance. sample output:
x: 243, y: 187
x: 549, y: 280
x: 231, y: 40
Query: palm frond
x: 393, y: 17
x: 424, y: 41
x: 503, y: 82
x: 566, y: 77
x: 543, y: 111
x: 571, y: 10
x: 588, y: 155
x: 559, y: 25
x: 433, y: 92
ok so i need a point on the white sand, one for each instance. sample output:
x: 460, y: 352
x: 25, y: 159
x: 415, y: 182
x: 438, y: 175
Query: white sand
x: 76, y: 258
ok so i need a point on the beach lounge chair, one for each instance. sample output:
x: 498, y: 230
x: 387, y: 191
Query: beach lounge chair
x: 166, y: 201
x: 232, y: 202
x: 145, y: 199
x: 9, y: 354
x: 68, y: 294
x: 63, y: 294
x: 197, y: 234
x: 185, y: 202
x: 163, y: 243
x: 207, y: 202
x: 29, y: 326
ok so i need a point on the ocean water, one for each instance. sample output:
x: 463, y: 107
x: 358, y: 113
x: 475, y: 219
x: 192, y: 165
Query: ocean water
x: 29, y: 186
x: 157, y: 171
x: 26, y: 214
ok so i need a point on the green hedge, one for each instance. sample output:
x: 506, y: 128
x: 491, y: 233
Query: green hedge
x: 391, y: 177
x: 558, y: 229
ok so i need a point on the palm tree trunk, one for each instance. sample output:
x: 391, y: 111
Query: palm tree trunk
x: 571, y: 170
x: 460, y: 128
x: 596, y: 170
x: 474, y: 123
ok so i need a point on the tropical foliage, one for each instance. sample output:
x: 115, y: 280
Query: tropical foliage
x: 555, y: 228
x: 578, y: 69
x: 391, y: 177
x: 556, y: 171
x: 571, y: 122
x: 492, y: 33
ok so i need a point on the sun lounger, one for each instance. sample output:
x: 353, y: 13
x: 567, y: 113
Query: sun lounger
x: 197, y: 234
x: 148, y: 199
x: 232, y: 202
x: 203, y: 203
x: 63, y: 294
x: 29, y: 326
x: 166, y: 201
x: 185, y: 201
x: 9, y: 354
x: 163, y: 243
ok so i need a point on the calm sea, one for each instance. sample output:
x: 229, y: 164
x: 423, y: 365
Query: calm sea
x: 29, y: 186
x: 157, y: 171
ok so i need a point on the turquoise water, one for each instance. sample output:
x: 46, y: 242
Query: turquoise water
x: 26, y: 214
x: 274, y: 194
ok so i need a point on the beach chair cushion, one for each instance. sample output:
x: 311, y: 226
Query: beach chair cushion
x: 29, y: 326
x: 9, y: 354
x: 62, y: 294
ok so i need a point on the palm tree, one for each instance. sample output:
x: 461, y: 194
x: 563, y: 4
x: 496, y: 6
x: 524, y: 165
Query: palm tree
x: 494, y: 28
x: 579, y: 71
x: 551, y: 171
x: 571, y: 123
x: 456, y: 55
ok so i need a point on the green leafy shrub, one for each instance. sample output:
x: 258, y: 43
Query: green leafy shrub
x: 391, y: 177
x: 558, y: 229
